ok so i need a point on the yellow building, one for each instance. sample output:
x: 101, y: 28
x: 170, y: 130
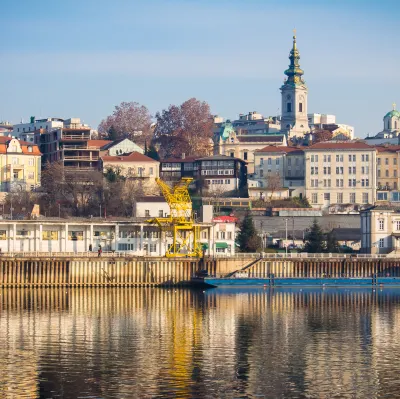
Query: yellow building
x: 20, y: 164
x: 387, y: 167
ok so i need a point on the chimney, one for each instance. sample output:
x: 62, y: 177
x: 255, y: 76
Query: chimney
x: 183, y: 155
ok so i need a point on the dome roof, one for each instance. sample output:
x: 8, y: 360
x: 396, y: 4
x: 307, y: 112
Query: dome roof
x: 392, y: 113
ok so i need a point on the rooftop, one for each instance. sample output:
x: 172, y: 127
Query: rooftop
x: 273, y: 148
x: 357, y: 145
x: 276, y: 138
x: 132, y: 157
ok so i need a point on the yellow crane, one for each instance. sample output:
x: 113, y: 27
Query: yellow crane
x: 180, y: 222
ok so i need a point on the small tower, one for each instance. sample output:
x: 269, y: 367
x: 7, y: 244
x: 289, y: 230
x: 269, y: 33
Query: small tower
x: 391, y: 121
x: 294, y: 97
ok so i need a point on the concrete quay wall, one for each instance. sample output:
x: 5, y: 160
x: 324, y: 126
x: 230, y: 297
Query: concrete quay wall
x: 139, y: 271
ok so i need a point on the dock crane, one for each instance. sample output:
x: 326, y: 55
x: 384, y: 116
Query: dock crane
x: 180, y: 221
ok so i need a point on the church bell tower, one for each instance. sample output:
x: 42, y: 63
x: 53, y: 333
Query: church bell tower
x: 294, y: 121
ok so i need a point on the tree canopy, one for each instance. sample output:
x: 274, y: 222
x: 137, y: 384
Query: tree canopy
x: 185, y: 128
x: 248, y: 239
x: 315, y: 239
x: 130, y: 120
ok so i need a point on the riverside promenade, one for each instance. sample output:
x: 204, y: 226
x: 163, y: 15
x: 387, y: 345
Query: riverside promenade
x: 35, y: 269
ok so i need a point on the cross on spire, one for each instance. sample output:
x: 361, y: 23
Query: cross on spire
x: 394, y: 106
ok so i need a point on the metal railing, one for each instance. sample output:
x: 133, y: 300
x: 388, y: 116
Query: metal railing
x: 37, y: 254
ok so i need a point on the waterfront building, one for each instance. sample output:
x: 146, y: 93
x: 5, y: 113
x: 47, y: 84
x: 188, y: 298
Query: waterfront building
x: 134, y: 236
x: 380, y: 230
x: 340, y: 173
x: 151, y: 207
x: 173, y: 169
x: 279, y: 173
x: 20, y: 165
x: 387, y: 164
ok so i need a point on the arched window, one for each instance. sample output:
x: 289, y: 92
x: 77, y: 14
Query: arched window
x: 30, y: 149
x: 395, y: 124
x: 289, y: 107
x: 388, y: 124
x: 300, y: 107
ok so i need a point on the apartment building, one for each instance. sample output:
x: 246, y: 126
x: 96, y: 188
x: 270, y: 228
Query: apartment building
x: 279, y: 173
x: 340, y: 173
x: 387, y: 167
x: 133, y: 165
x: 380, y: 230
x: 20, y: 165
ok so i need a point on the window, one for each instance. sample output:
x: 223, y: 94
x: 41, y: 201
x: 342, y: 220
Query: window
x: 153, y: 247
x: 222, y: 235
x: 31, y: 175
x: 15, y: 161
x: 314, y: 198
x: 30, y: 149
x: 300, y: 107
x: 289, y: 162
x: 245, y: 156
x: 397, y: 225
x: 49, y: 235
x: 229, y: 235
x: 382, y: 196
x: 150, y: 171
x: 386, y: 173
x: 160, y: 213
x: 75, y: 235
x: 327, y: 196
x: 269, y: 161
x: 386, y: 161
x: 227, y: 181
x: 381, y: 224
x: 232, y: 154
x: 147, y: 213
x: 312, y: 158
x: 261, y: 161
x: 395, y: 185
x: 261, y: 173
x: 362, y: 158
x: 378, y: 161
x: 394, y: 161
x: 394, y: 173
x: 289, y: 107
x: 339, y: 198
x: 277, y: 161
x: 204, y: 234
x: 381, y: 242
x: 379, y: 173
x: 125, y: 247
x: 365, y: 198
x: 366, y: 158
x: 352, y: 198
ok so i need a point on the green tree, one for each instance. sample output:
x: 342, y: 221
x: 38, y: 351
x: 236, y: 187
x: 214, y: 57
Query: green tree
x: 152, y: 153
x: 112, y: 133
x: 315, y: 239
x: 248, y: 239
x: 332, y: 245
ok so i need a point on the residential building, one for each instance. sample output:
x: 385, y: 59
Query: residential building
x: 220, y: 175
x: 133, y: 165
x: 20, y: 165
x: 380, y: 230
x: 339, y: 131
x: 26, y: 131
x: 120, y: 147
x: 340, y: 173
x: 387, y: 167
x: 173, y: 169
x: 126, y: 235
x: 151, y: 207
x: 5, y: 128
x: 279, y: 173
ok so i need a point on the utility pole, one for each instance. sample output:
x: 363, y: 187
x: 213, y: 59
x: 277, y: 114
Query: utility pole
x: 286, y: 220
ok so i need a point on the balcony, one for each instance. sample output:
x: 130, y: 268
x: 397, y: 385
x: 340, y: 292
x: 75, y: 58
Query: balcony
x: 80, y: 158
x: 76, y: 137
x: 78, y: 147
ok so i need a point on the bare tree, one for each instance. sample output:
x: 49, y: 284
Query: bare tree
x: 187, y: 128
x: 319, y: 136
x: 130, y: 120
x: 273, y: 183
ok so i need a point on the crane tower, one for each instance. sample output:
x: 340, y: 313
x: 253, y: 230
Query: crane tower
x: 180, y: 222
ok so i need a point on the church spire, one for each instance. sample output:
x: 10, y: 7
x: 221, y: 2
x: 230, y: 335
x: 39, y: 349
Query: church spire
x: 294, y: 72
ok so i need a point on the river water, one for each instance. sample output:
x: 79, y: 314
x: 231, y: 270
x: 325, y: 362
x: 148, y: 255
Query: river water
x: 221, y: 343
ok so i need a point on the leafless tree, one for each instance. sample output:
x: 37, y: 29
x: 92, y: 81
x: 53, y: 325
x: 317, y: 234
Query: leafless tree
x: 187, y: 128
x: 130, y: 120
x: 273, y: 183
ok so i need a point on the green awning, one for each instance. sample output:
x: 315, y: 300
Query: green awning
x: 222, y: 245
x: 204, y: 245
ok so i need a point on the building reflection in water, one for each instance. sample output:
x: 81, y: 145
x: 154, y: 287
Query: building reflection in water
x: 179, y: 343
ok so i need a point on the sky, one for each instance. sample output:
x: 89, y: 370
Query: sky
x: 80, y: 58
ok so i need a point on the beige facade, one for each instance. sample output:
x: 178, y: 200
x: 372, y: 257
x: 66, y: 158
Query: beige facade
x: 380, y: 230
x: 387, y: 167
x: 340, y: 173
x: 278, y: 173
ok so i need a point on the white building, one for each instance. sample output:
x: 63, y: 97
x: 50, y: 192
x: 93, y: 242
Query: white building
x: 82, y: 235
x: 151, y: 207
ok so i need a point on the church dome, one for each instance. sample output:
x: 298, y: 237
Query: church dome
x: 392, y: 113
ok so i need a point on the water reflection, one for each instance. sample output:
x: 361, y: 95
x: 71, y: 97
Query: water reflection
x: 114, y: 343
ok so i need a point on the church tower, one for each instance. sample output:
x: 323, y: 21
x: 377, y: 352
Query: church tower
x: 294, y: 120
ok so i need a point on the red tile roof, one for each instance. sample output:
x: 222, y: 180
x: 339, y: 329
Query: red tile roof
x: 4, y: 140
x: 340, y: 146
x: 273, y: 148
x: 260, y: 139
x: 132, y: 157
x: 179, y: 160
x: 98, y: 143
x: 388, y: 148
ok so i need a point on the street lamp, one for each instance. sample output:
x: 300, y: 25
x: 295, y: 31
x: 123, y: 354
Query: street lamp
x: 286, y: 220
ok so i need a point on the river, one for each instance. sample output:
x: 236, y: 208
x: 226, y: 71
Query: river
x: 220, y: 343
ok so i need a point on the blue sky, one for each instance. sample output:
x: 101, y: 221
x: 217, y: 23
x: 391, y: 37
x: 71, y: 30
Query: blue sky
x: 81, y: 57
